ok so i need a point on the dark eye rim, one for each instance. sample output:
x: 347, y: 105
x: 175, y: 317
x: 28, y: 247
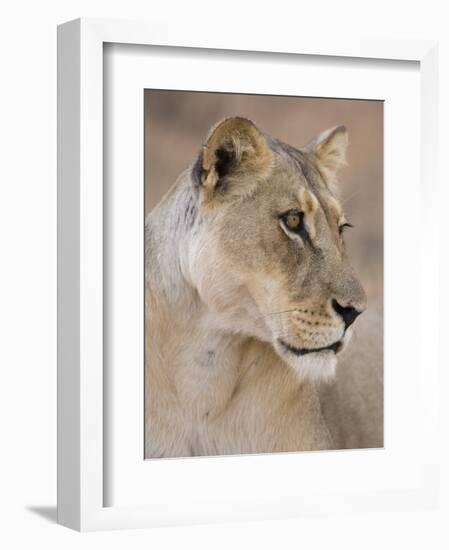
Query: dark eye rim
x: 343, y: 226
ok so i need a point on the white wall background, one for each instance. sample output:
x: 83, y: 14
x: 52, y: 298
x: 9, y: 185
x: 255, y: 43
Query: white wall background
x: 28, y: 270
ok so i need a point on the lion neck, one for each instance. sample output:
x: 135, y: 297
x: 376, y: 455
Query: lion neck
x: 186, y: 343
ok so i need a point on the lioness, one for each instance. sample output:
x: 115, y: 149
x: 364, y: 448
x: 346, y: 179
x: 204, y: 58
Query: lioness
x: 250, y: 299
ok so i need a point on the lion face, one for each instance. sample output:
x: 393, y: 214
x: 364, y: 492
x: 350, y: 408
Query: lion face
x: 269, y: 257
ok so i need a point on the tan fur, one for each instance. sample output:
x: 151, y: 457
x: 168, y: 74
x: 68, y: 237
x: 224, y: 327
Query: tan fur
x: 227, y: 283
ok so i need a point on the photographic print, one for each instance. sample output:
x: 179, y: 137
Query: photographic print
x: 263, y: 274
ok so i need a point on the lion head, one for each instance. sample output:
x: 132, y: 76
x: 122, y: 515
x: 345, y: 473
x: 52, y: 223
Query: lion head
x: 266, y: 252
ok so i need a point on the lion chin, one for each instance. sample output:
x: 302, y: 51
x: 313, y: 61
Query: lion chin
x: 318, y: 366
x: 313, y: 366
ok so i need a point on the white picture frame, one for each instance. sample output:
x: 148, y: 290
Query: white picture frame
x: 81, y: 409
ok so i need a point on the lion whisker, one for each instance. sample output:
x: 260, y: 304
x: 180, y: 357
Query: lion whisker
x: 279, y: 312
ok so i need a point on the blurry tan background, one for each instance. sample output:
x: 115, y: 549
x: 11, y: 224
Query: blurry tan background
x: 176, y: 124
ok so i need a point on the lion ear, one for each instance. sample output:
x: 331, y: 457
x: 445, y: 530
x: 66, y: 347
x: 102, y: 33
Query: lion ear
x: 234, y: 156
x: 329, y: 150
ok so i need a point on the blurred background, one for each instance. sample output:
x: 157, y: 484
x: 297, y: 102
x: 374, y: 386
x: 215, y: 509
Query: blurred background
x: 177, y: 123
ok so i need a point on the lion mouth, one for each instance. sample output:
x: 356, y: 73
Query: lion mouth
x: 335, y: 347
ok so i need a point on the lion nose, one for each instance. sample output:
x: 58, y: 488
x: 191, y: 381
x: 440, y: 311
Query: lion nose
x: 349, y: 314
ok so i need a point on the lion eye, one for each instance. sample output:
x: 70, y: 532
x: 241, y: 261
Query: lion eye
x: 342, y: 227
x: 293, y: 221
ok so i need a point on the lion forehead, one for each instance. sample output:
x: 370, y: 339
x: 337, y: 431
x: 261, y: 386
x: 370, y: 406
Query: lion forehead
x: 248, y: 222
